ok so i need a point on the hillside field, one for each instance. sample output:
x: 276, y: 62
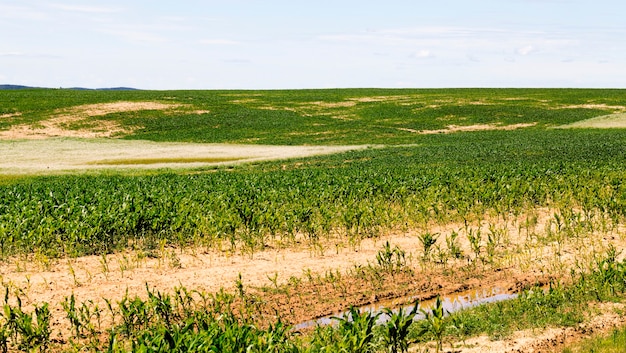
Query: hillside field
x: 229, y: 220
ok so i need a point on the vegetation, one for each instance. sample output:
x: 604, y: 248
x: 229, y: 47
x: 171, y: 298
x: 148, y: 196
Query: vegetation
x: 187, y: 320
x: 352, y: 195
x: 613, y: 343
x: 317, y: 117
x: 408, y: 181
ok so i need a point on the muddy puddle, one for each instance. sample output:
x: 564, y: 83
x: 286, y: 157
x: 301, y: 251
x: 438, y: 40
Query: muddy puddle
x: 451, y: 303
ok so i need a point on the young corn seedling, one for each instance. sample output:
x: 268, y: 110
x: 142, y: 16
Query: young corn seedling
x: 356, y: 330
x: 391, y: 260
x: 428, y: 239
x: 396, y: 329
x: 34, y: 329
x: 475, y: 238
x: 453, y: 245
x: 435, y: 323
x: 239, y: 286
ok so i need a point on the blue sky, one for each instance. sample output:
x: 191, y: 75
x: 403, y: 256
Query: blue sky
x: 249, y: 44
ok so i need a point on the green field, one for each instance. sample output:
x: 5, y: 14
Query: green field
x: 295, y: 117
x: 422, y: 172
x: 418, y: 177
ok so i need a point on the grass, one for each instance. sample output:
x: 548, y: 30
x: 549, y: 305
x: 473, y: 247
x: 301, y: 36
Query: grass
x: 415, y: 181
x: 318, y: 117
x: 613, y: 343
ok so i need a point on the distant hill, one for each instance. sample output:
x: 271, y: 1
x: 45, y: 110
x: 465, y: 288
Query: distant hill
x: 104, y: 89
x: 73, y: 88
x: 13, y: 87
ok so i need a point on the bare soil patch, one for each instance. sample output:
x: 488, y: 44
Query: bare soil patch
x: 53, y: 155
x: 58, y: 124
x: 374, y: 99
x: 610, y: 121
x: 616, y: 108
x: 9, y: 115
x: 476, y: 127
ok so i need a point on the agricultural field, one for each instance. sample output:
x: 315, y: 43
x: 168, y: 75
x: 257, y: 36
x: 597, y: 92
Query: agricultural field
x: 239, y: 221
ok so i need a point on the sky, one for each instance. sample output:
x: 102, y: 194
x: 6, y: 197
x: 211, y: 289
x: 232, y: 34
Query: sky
x: 276, y: 44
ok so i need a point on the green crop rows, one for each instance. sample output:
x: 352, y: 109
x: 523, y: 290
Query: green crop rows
x: 408, y: 180
x: 355, y: 194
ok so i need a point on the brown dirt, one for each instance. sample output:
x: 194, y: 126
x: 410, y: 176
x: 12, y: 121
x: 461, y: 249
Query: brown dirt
x: 56, y: 125
x: 524, y: 255
x: 374, y: 99
x: 10, y: 115
x: 616, y: 108
x: 476, y: 127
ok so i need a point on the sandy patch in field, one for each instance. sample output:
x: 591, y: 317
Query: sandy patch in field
x: 330, y: 104
x: 58, y: 124
x: 9, y: 115
x: 476, y: 127
x: 374, y: 99
x: 617, y: 108
x: 601, y: 122
x: 62, y: 154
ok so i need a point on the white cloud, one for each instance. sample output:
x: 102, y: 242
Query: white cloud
x: 136, y: 35
x: 21, y: 13
x: 84, y: 9
x: 423, y: 54
x: 218, y: 42
x: 525, y: 50
x: 13, y: 53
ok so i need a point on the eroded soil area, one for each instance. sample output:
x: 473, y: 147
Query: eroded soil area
x: 611, y: 121
x: 70, y: 154
x: 59, y: 124
x: 303, y: 281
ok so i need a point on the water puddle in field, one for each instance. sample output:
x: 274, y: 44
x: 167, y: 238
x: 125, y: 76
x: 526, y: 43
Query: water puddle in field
x: 451, y: 303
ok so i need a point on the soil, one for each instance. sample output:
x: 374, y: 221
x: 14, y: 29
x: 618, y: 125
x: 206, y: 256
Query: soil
x: 55, y: 155
x: 523, y: 259
x: 57, y: 124
x: 476, y: 127
x: 300, y: 281
x: 617, y: 120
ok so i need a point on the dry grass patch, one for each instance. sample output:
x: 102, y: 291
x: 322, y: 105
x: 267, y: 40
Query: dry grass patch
x: 600, y: 122
x: 476, y: 127
x: 617, y: 108
x: 53, y: 155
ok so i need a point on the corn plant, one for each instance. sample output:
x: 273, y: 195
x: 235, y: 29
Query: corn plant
x: 26, y: 331
x: 428, y: 239
x: 453, y: 245
x: 395, y: 336
x: 391, y: 260
x: 135, y: 314
x: 475, y: 238
x: 434, y: 323
x: 356, y: 330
